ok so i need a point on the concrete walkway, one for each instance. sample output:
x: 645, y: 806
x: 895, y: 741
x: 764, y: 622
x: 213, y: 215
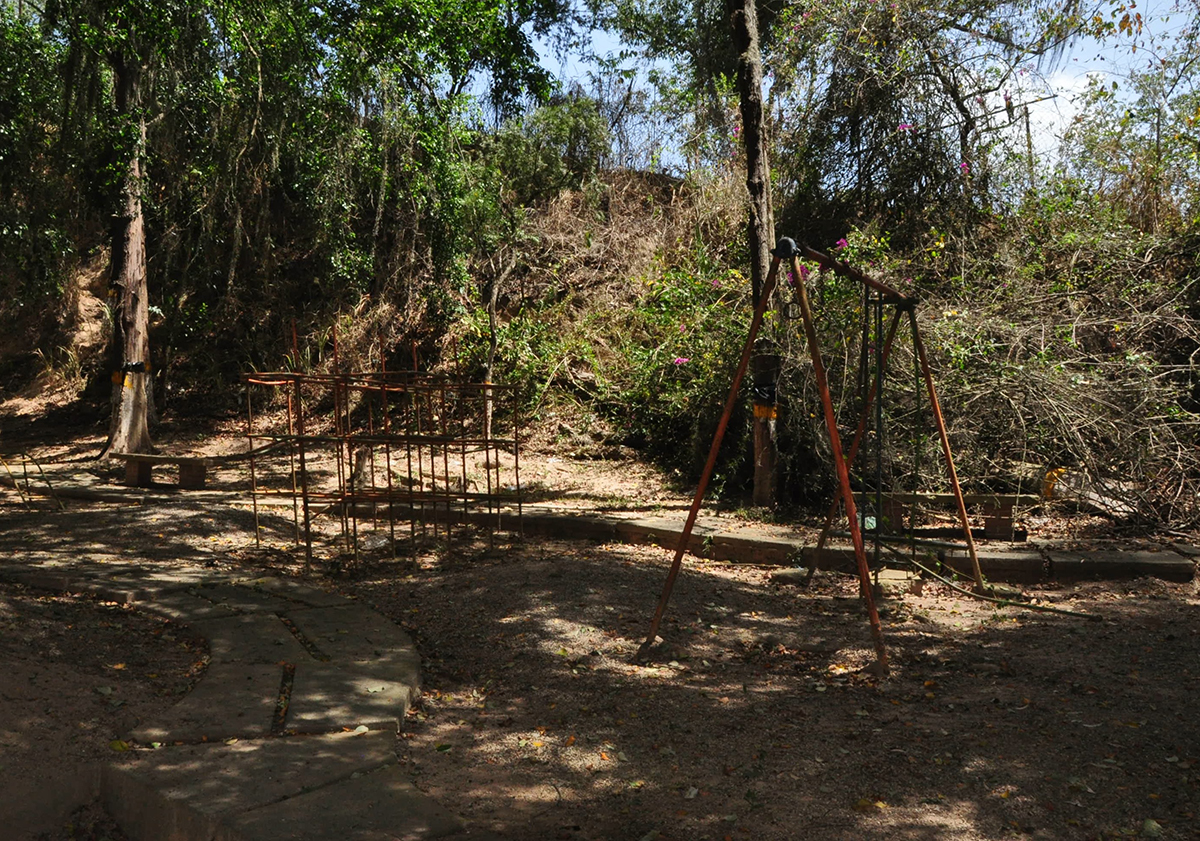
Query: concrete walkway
x: 290, y: 734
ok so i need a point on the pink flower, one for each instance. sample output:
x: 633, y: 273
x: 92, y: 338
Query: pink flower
x: 964, y: 168
x: 680, y: 360
x: 841, y: 243
x: 904, y: 127
x: 804, y: 272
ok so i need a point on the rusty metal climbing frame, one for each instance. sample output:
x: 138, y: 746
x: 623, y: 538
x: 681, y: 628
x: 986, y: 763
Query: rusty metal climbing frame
x: 382, y: 452
x: 788, y: 250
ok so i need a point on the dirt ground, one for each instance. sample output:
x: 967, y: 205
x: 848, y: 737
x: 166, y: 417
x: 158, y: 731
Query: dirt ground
x: 76, y: 673
x: 755, y: 717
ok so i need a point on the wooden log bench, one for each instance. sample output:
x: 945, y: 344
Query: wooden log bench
x: 138, y: 466
x: 997, y: 508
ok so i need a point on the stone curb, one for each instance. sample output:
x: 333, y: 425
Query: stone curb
x: 711, y: 542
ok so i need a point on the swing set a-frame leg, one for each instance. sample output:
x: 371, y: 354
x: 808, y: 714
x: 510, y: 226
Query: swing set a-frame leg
x: 852, y: 453
x: 951, y: 473
x: 843, y: 472
x: 710, y: 465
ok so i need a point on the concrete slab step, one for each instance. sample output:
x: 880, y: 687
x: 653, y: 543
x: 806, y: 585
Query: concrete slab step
x: 305, y: 594
x: 183, y: 606
x: 256, y: 638
x: 231, y: 700
x: 747, y: 549
x: 381, y: 806
x: 194, y: 792
x: 353, y: 634
x: 329, y: 696
x: 1074, y: 565
x: 243, y: 599
x: 1014, y: 566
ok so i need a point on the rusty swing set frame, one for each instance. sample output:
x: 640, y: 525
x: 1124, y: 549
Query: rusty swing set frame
x: 904, y: 305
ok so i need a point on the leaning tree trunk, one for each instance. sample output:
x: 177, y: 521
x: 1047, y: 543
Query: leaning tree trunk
x: 760, y: 228
x: 129, y: 430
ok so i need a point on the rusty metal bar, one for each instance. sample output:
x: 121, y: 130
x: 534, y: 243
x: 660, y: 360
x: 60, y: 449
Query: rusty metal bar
x: 949, y: 456
x: 253, y: 475
x: 710, y: 465
x: 852, y: 453
x: 841, y: 267
x: 843, y: 473
x: 303, y: 476
x: 425, y: 418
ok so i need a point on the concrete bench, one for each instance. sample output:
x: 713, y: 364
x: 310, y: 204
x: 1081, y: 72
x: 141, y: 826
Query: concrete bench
x: 138, y: 467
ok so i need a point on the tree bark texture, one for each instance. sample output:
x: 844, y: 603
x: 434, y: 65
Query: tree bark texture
x: 760, y: 227
x: 129, y: 430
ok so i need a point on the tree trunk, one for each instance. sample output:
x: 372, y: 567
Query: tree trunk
x: 129, y: 430
x: 760, y: 229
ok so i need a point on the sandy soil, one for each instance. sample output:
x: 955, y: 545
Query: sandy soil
x: 754, y: 718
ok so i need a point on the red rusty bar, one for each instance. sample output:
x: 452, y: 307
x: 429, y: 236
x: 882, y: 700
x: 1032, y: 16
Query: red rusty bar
x: 950, y: 471
x: 710, y: 465
x: 852, y: 453
x: 843, y: 473
x: 253, y: 474
x: 846, y: 270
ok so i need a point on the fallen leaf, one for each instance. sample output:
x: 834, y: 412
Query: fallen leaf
x: 119, y: 745
x: 570, y: 741
x: 866, y: 804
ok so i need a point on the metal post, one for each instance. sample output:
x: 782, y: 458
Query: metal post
x: 253, y: 474
x: 843, y: 473
x: 950, y: 471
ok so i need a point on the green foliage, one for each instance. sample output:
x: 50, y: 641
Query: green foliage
x: 35, y: 232
x: 556, y: 147
x: 656, y: 366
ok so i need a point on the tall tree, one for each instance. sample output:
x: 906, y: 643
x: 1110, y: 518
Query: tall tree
x: 760, y: 230
x: 112, y: 46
